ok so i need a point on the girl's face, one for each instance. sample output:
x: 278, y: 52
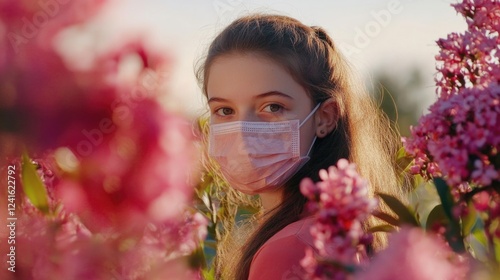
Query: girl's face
x: 250, y: 87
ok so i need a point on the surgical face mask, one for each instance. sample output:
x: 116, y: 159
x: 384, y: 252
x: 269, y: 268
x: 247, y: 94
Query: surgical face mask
x: 255, y: 157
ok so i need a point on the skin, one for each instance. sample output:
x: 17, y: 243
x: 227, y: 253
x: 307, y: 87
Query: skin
x: 251, y: 87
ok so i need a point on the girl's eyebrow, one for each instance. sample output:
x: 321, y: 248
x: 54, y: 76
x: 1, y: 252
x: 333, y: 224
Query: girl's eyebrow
x: 273, y: 93
x: 262, y: 95
x: 217, y: 99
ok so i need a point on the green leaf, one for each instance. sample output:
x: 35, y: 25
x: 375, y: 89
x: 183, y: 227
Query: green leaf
x: 453, y: 232
x: 478, y: 245
x: 403, y: 160
x: 401, y: 153
x: 496, y: 247
x: 387, y: 218
x: 445, y: 196
x: 436, y: 215
x: 381, y: 228
x: 419, y: 180
x: 469, y: 221
x: 405, y: 215
x: 208, y: 274
x: 481, y: 237
x: 33, y: 186
x: 197, y: 258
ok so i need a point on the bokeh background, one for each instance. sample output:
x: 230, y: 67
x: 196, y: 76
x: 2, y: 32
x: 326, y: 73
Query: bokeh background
x: 390, y: 42
x: 67, y: 92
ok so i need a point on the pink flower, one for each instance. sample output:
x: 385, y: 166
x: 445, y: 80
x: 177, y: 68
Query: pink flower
x: 162, y: 245
x: 120, y: 169
x: 141, y: 173
x: 60, y: 245
x: 460, y: 135
x: 460, y: 138
x: 414, y: 255
x: 481, y: 201
x: 57, y: 246
x: 47, y: 102
x: 480, y: 14
x: 340, y: 202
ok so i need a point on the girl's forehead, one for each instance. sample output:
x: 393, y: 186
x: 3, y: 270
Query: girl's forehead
x: 239, y: 75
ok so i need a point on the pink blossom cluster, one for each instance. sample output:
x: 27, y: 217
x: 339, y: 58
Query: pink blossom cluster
x: 61, y: 245
x: 48, y: 99
x: 140, y: 173
x: 341, y: 203
x: 472, y: 58
x: 120, y: 169
x: 460, y: 138
x: 413, y: 254
x: 44, y: 104
x: 480, y: 14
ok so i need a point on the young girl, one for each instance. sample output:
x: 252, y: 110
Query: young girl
x: 282, y: 107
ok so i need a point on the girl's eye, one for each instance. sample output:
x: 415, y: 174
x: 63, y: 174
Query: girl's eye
x: 224, y: 111
x: 273, y: 108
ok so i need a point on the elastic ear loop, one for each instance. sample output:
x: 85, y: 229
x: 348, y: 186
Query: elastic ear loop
x: 312, y: 145
x: 310, y: 114
x: 305, y: 120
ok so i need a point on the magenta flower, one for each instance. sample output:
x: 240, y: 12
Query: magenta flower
x: 63, y: 248
x: 119, y: 210
x: 472, y: 58
x: 461, y: 135
x: 121, y: 168
x: 44, y: 103
x: 459, y: 138
x: 413, y: 254
x: 340, y: 202
x: 140, y: 174
x: 47, y: 101
x: 480, y: 14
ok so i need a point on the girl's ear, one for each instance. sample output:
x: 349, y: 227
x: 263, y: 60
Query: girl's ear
x: 326, y: 117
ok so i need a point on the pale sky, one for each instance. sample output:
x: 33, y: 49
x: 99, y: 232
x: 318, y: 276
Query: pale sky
x: 393, y: 35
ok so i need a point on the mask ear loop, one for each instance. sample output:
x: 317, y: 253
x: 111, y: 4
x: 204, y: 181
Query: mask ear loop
x: 310, y: 114
x: 305, y: 120
x: 312, y: 145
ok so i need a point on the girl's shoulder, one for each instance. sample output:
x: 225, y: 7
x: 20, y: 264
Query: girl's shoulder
x: 299, y: 229
x: 280, y: 256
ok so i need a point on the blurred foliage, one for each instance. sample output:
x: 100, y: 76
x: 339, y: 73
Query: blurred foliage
x: 395, y: 95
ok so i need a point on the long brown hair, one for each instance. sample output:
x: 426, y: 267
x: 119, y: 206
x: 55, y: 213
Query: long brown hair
x: 362, y: 134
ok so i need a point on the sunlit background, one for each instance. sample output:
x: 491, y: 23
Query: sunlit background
x: 391, y: 42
